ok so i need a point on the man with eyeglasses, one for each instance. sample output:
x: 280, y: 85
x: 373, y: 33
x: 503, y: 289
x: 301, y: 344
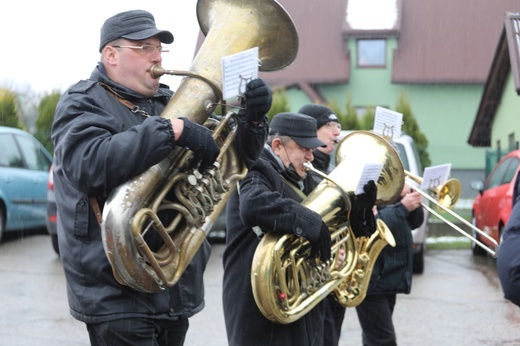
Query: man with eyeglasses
x: 329, y: 130
x: 107, y: 130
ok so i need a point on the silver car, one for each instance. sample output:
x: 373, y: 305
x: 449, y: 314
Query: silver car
x: 411, y: 163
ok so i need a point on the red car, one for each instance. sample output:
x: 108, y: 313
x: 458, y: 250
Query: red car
x: 492, y: 206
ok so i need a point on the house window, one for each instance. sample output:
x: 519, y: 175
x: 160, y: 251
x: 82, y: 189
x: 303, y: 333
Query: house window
x: 371, y: 53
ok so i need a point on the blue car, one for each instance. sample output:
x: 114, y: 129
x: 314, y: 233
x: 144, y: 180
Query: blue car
x: 24, y: 169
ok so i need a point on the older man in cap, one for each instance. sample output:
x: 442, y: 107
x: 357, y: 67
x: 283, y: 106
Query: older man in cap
x: 269, y: 199
x: 107, y: 129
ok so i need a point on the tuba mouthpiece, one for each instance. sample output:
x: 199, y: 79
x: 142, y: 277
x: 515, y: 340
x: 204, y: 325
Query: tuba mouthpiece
x: 157, y: 71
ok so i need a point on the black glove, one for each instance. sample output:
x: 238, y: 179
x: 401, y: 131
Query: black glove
x: 362, y: 218
x: 257, y: 100
x: 322, y: 246
x: 199, y: 140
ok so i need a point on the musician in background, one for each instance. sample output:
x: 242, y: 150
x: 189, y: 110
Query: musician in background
x: 508, y: 256
x: 329, y: 130
x: 107, y: 129
x: 392, y: 272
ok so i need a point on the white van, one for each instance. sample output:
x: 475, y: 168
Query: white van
x: 411, y: 163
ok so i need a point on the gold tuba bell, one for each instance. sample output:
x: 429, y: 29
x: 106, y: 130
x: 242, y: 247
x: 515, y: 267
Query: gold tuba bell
x: 286, y: 282
x: 195, y: 200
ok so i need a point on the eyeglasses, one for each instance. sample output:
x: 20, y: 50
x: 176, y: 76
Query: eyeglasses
x: 147, y: 49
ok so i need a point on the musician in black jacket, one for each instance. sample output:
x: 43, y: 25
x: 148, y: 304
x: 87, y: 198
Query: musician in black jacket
x: 268, y: 200
x: 392, y: 272
x: 100, y: 143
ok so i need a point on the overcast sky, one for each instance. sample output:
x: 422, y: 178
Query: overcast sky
x: 49, y: 45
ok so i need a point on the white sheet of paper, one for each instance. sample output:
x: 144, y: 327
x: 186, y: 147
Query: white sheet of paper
x: 371, y: 171
x: 388, y: 123
x: 435, y: 176
x: 237, y: 70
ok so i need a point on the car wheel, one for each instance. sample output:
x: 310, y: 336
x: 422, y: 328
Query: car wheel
x: 54, y: 240
x: 418, y: 262
x: 476, y: 249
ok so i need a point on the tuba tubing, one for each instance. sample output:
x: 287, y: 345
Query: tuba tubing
x: 131, y: 210
x: 353, y: 290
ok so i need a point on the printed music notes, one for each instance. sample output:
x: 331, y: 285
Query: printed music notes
x: 237, y: 70
x: 388, y: 123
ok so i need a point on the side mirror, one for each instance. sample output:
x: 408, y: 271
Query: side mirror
x: 477, y: 185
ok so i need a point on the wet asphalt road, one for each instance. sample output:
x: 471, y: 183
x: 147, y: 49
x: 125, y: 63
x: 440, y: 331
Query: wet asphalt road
x: 457, y: 301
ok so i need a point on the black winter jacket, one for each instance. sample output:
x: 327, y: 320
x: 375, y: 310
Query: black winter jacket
x: 100, y: 144
x: 265, y: 201
x: 392, y: 272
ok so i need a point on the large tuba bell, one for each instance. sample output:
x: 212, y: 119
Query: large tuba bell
x: 286, y: 282
x: 144, y: 206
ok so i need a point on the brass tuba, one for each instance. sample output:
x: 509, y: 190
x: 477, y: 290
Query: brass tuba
x: 143, y: 204
x: 286, y: 282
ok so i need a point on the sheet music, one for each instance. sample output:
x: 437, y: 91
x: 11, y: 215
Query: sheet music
x: 371, y: 171
x: 388, y: 123
x: 435, y: 176
x: 237, y: 70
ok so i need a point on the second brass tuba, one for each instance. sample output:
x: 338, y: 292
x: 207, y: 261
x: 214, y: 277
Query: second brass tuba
x: 139, y: 206
x: 286, y: 282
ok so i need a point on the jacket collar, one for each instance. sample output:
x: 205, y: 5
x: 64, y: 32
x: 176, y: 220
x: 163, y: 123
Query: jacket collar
x: 277, y: 163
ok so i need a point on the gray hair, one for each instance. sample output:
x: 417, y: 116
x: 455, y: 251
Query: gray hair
x: 283, y: 139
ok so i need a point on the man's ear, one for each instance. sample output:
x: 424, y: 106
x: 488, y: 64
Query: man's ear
x: 110, y: 54
x: 276, y: 145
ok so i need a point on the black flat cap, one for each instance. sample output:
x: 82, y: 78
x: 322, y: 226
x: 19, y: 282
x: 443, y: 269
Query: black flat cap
x: 301, y: 128
x: 133, y: 25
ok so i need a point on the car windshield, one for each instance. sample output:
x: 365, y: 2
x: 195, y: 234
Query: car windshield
x: 503, y: 173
